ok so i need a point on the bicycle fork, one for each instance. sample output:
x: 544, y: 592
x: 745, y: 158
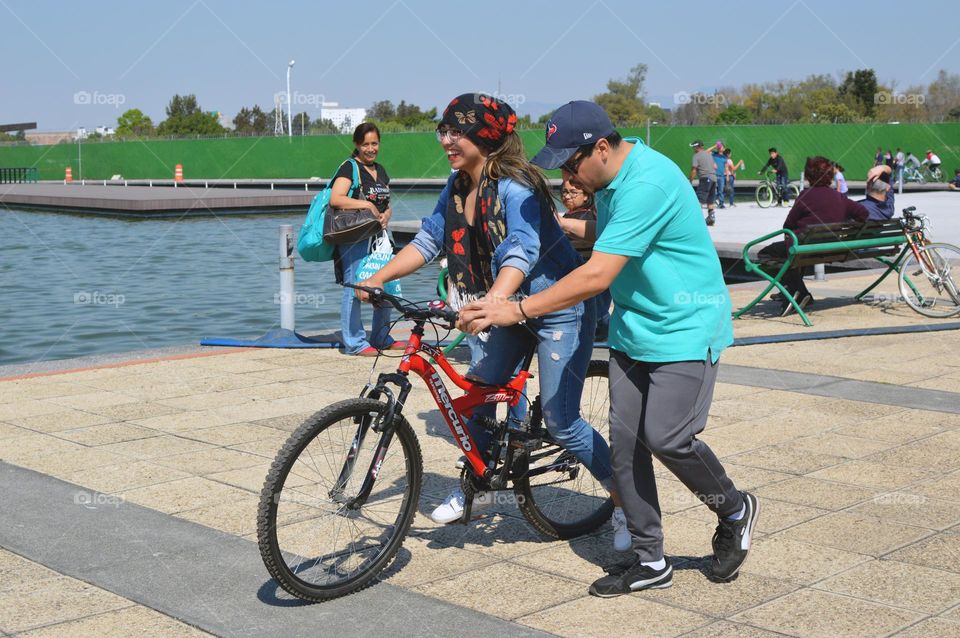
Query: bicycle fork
x: 382, y: 422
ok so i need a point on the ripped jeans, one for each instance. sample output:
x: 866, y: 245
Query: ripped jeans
x: 564, y: 346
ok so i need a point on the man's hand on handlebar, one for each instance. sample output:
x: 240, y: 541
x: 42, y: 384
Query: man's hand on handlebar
x: 363, y: 295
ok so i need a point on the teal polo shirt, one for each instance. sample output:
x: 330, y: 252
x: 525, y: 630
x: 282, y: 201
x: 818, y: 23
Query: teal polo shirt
x: 670, y: 301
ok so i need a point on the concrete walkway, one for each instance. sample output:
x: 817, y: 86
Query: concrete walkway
x: 131, y: 493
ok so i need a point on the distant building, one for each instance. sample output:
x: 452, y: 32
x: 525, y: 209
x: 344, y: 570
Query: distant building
x: 50, y: 137
x: 344, y: 119
x: 104, y: 131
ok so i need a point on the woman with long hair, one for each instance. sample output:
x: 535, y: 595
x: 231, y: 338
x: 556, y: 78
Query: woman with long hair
x: 373, y: 195
x: 496, y: 221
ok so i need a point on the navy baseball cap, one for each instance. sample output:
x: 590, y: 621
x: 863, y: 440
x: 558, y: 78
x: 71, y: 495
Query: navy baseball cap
x: 570, y: 127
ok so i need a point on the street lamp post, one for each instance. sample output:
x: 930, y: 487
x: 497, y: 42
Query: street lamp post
x: 289, y: 102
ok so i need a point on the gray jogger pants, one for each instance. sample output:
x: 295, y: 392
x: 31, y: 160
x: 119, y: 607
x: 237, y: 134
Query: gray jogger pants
x: 657, y: 410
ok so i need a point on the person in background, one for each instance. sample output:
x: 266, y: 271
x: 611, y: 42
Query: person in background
x: 730, y: 169
x: 898, y: 163
x: 888, y: 159
x: 879, y: 201
x: 878, y: 157
x: 954, y: 185
x: 912, y: 160
x: 932, y: 159
x: 721, y: 174
x: 779, y: 166
x: 703, y: 172
x: 496, y: 221
x: 373, y: 195
x: 579, y: 204
x: 819, y: 204
x: 840, y: 183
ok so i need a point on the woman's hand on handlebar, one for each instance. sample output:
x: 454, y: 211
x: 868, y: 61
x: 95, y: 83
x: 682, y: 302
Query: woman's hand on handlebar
x: 363, y: 295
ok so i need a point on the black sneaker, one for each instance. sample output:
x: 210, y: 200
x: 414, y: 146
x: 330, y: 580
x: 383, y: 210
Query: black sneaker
x: 711, y: 220
x: 637, y: 577
x: 731, y: 541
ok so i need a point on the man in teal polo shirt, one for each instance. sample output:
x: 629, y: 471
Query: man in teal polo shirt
x: 671, y: 321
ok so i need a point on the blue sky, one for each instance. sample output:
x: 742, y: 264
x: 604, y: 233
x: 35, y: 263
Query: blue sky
x: 541, y: 54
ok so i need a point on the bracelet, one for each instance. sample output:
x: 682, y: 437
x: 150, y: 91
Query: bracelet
x: 520, y: 306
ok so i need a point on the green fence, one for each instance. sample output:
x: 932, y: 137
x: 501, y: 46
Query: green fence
x: 18, y: 175
x: 414, y: 155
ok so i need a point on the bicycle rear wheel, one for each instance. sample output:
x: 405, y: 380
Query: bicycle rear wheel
x: 764, y: 196
x: 929, y: 285
x: 312, y: 542
x: 558, y: 495
x: 794, y: 192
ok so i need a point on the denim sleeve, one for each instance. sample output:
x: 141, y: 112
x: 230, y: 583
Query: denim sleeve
x: 429, y: 239
x: 520, y: 248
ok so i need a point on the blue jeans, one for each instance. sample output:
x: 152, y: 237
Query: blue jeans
x: 353, y: 335
x: 731, y: 182
x: 783, y: 193
x: 564, y: 342
x: 721, y: 187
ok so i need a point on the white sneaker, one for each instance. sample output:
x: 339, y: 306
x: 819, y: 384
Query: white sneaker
x: 452, y: 507
x: 622, y: 540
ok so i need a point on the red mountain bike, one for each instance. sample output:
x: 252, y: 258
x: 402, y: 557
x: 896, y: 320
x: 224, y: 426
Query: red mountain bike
x: 342, y: 492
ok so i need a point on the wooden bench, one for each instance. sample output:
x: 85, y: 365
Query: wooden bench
x: 828, y: 244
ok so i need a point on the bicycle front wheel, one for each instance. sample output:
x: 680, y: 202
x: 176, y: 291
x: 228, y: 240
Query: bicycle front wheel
x: 315, y: 542
x: 557, y: 494
x: 764, y: 196
x: 794, y: 192
x: 929, y: 284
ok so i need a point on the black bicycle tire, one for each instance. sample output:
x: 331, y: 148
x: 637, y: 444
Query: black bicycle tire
x: 526, y: 502
x: 286, y: 457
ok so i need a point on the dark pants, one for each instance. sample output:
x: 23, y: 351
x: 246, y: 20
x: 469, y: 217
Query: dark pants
x: 783, y: 192
x: 792, y: 279
x: 657, y: 410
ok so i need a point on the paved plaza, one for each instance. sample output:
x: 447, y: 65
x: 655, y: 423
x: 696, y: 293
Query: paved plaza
x: 129, y: 494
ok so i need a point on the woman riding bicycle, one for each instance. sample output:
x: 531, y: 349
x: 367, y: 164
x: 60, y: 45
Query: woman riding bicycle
x: 495, y: 221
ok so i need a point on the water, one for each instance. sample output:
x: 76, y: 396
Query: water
x: 76, y: 285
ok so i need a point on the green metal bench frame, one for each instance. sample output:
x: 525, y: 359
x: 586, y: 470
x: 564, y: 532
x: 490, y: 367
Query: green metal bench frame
x: 850, y: 240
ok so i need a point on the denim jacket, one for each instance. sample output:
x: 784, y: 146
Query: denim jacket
x: 534, y: 243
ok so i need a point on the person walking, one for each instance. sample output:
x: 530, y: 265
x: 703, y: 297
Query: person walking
x: 730, y: 170
x: 671, y: 322
x: 703, y: 173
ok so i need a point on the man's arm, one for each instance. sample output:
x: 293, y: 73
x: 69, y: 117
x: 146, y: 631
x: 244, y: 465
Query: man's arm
x: 585, y: 282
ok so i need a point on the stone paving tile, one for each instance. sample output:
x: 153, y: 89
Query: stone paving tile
x: 106, y: 434
x: 912, y: 509
x: 753, y: 478
x: 582, y: 559
x: 33, y: 604
x: 156, y: 447
x: 927, y: 453
x: 181, y: 422
x: 208, y: 401
x: 774, y: 515
x: 952, y: 615
x: 812, y: 492
x: 727, y: 628
x: 832, y: 443
x: 893, y: 583
x: 604, y: 617
x: 91, y: 402
x: 122, y: 477
x: 894, y: 429
x: 132, y: 411
x: 60, y: 463
x: 938, y: 627
x: 209, y: 460
x: 60, y: 420
x: 237, y: 516
x: 941, y: 551
x: 786, y: 458
x: 869, y: 474
x: 493, y: 535
x: 147, y: 623
x: 8, y: 431
x: 233, y: 434
x: 692, y: 590
x: 24, y: 408
x: 947, y: 488
x: 16, y: 571
x: 419, y: 562
x: 496, y: 590
x: 821, y: 614
x: 183, y: 494
x: 39, y: 388
x: 248, y: 478
x: 855, y: 533
x: 803, y: 563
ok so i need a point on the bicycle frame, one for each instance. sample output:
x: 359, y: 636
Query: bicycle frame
x: 454, y: 411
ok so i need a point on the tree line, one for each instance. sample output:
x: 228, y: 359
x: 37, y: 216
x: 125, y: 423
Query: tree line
x: 856, y: 97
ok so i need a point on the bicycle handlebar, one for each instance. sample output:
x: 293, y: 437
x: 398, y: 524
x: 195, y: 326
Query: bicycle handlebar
x: 435, y: 310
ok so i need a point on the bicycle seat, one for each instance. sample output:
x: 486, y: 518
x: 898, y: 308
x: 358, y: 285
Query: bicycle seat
x: 909, y: 210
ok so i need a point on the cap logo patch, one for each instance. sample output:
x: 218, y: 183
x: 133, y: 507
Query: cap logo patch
x: 551, y: 129
x: 587, y: 136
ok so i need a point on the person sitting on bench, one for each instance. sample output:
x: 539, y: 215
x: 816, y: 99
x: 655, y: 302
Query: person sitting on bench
x: 879, y: 199
x: 819, y: 204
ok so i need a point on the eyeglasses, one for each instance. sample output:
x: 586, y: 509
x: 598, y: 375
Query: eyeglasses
x: 572, y: 165
x: 570, y: 193
x: 452, y: 134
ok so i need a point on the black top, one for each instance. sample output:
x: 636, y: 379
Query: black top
x: 376, y: 190
x: 778, y: 165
